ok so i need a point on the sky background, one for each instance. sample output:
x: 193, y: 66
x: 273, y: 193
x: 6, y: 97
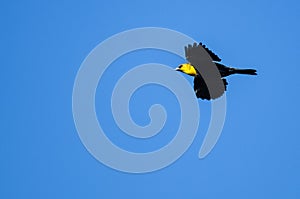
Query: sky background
x: 43, y: 44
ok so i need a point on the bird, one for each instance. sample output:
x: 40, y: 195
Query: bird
x: 198, y: 60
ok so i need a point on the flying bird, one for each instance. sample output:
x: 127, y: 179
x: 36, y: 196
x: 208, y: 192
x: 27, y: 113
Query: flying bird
x: 209, y: 81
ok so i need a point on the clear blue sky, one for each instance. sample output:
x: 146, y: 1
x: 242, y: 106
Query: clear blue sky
x: 43, y: 44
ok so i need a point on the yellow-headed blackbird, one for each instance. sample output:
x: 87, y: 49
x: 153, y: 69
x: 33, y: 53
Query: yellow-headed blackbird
x: 194, y: 54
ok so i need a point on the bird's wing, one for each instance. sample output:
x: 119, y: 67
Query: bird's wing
x: 202, y: 91
x: 200, y: 88
x: 202, y: 59
x: 192, y: 52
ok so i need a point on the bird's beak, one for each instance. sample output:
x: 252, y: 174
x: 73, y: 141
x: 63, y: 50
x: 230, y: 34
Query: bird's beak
x: 177, y: 69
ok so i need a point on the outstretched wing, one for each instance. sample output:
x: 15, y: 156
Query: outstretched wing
x: 202, y: 91
x: 203, y: 61
x: 192, y: 52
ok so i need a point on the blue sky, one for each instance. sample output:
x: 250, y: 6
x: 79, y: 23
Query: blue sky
x: 42, y: 47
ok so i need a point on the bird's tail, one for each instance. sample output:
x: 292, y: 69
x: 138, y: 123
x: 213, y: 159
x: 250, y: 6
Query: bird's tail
x: 244, y: 71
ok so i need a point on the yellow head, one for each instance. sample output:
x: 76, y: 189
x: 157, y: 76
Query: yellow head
x: 187, y: 68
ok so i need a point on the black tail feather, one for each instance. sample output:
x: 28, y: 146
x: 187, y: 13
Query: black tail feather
x: 245, y: 71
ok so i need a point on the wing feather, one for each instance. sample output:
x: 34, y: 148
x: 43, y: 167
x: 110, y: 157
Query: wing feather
x: 202, y: 91
x: 192, y: 51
